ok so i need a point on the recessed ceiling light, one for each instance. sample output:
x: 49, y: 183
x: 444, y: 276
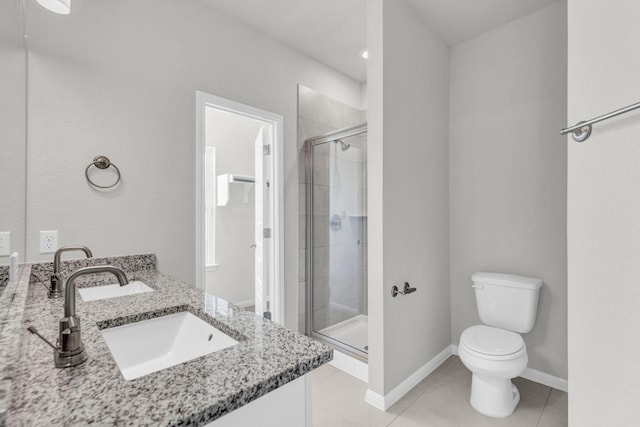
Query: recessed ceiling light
x: 364, y: 53
x: 63, y: 7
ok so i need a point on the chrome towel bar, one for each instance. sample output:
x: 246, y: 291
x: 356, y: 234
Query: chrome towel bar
x: 581, y: 131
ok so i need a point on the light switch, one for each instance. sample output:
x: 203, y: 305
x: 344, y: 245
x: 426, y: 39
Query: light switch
x: 5, y: 243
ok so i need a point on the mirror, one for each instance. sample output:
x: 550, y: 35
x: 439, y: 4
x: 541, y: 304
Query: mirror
x: 12, y: 132
x: 119, y: 78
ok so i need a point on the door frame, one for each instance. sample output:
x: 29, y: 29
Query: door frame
x: 276, y: 244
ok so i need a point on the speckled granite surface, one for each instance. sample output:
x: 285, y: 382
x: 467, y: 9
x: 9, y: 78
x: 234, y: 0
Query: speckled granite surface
x: 193, y: 393
x: 128, y: 264
x: 12, y: 302
x: 4, y: 278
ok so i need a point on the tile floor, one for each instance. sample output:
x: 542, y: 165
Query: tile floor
x: 441, y: 399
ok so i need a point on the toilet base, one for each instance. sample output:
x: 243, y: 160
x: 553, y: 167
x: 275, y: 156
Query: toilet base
x: 493, y: 397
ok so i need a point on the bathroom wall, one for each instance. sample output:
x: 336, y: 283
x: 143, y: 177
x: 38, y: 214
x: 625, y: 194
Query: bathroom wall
x: 12, y: 124
x: 408, y: 197
x: 119, y: 78
x: 335, y: 268
x: 508, y: 172
x: 603, y: 213
x: 233, y: 137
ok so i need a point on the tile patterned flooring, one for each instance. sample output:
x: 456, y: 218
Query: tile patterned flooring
x: 441, y: 399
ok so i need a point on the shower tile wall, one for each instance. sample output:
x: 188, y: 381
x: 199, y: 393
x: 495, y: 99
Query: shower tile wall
x: 319, y: 114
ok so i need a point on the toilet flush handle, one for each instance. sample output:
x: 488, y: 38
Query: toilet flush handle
x: 477, y: 286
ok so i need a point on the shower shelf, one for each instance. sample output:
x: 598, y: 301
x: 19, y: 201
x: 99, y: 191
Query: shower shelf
x: 226, y: 179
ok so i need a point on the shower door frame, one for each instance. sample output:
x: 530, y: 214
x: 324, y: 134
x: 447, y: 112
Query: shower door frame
x: 309, y: 143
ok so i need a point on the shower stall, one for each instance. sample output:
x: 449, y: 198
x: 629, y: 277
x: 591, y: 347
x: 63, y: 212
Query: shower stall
x: 336, y: 239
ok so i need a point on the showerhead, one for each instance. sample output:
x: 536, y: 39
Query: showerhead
x: 343, y: 145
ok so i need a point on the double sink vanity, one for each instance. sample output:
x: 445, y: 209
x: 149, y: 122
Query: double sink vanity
x: 156, y: 352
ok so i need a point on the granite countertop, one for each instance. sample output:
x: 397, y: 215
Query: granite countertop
x: 4, y: 278
x: 193, y: 393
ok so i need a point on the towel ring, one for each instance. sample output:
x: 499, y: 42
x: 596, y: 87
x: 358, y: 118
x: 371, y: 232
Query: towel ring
x: 101, y: 162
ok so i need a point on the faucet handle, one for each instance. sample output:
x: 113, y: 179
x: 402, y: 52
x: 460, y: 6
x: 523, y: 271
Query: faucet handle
x: 34, y: 331
x: 33, y: 276
x: 70, y: 337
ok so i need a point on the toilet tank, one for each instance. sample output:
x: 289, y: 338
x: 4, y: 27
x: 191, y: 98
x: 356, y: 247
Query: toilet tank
x: 507, y: 301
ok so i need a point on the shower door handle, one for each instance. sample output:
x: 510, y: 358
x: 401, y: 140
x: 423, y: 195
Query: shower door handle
x: 405, y: 291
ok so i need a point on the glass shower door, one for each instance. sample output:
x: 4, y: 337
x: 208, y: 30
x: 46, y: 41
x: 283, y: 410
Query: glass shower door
x: 338, y: 254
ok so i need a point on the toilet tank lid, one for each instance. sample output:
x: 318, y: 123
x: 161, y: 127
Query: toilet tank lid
x: 511, y: 280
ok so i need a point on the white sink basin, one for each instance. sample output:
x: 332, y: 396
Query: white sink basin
x: 112, y: 291
x: 152, y: 345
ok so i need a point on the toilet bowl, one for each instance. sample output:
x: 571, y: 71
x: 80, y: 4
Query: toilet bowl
x: 495, y: 352
x: 494, y: 356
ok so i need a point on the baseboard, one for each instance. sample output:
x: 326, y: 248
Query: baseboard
x: 537, y: 376
x: 350, y: 365
x: 374, y: 399
x: 546, y: 379
x: 385, y: 402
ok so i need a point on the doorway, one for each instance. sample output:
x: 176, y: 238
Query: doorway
x: 239, y: 233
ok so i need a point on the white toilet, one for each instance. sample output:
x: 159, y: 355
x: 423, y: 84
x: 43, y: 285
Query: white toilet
x: 495, y: 352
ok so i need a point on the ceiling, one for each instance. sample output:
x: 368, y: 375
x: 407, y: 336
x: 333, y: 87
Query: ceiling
x: 331, y: 31
x: 334, y: 31
x: 459, y: 20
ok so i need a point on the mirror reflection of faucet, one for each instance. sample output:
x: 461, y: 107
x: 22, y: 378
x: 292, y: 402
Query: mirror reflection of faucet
x: 55, y: 290
x: 69, y: 349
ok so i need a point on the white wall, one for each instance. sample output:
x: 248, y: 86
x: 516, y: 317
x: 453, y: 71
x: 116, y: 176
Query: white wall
x: 603, y: 215
x: 233, y: 137
x: 508, y: 172
x: 119, y: 78
x: 408, y: 194
x: 12, y: 124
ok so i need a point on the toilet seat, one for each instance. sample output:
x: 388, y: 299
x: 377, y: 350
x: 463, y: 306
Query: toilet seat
x: 492, y: 343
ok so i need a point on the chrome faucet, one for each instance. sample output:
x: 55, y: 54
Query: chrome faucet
x: 55, y: 290
x: 69, y: 350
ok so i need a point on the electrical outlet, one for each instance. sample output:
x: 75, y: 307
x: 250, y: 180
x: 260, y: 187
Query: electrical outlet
x: 48, y: 242
x: 5, y: 243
